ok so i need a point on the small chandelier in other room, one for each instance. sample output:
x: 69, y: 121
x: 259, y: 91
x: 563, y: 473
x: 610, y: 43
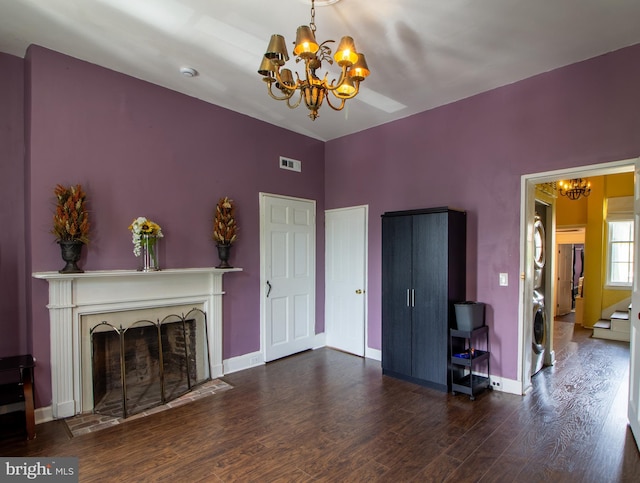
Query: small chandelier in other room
x: 311, y: 88
x: 574, y: 188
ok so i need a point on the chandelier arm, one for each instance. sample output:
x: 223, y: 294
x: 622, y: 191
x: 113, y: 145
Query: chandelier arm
x: 286, y: 97
x: 279, y: 79
x: 343, y: 76
x: 293, y: 106
x: 339, y: 108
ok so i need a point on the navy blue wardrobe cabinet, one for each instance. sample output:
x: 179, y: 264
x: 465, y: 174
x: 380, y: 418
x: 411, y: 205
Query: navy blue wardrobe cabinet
x: 423, y: 275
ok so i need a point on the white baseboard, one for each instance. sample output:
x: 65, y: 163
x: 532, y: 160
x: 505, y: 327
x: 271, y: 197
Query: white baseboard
x: 43, y: 415
x: 245, y: 361
x: 320, y: 341
x: 501, y: 384
x: 509, y: 386
x: 375, y: 354
x: 369, y: 353
x: 255, y: 359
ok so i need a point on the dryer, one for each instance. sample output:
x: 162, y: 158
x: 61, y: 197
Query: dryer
x: 539, y: 333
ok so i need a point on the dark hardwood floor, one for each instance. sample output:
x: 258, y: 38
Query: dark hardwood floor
x: 327, y: 416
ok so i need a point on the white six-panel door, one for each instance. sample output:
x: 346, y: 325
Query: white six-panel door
x: 345, y: 278
x: 288, y: 240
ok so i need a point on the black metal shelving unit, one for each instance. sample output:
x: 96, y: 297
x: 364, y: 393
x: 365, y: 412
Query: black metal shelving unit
x: 464, y: 377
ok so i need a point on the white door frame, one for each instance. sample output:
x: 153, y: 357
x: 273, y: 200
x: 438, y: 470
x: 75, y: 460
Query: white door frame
x: 527, y: 206
x: 263, y: 279
x: 633, y: 408
x: 547, y: 203
x: 569, y: 236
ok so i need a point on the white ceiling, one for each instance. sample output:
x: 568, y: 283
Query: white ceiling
x: 422, y: 53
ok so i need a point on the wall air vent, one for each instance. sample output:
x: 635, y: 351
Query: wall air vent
x: 290, y: 164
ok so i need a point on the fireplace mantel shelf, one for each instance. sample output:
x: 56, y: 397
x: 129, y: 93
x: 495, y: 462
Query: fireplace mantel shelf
x: 73, y: 296
x: 134, y: 273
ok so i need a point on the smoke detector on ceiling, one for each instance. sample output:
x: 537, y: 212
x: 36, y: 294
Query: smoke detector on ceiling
x: 188, y: 71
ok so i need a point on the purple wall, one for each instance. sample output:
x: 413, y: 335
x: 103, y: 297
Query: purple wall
x: 13, y: 310
x: 471, y: 155
x: 142, y: 150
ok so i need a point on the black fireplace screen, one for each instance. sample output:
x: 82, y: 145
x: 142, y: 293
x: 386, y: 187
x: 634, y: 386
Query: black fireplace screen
x: 148, y: 363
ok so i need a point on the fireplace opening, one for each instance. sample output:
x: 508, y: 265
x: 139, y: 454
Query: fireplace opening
x: 147, y: 363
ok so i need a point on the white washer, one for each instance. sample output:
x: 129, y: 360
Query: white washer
x: 539, y: 333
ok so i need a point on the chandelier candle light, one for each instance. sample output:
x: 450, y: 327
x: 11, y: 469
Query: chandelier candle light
x: 313, y: 89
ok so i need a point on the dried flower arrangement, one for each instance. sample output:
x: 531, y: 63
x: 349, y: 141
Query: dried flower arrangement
x: 71, y: 219
x: 224, y: 223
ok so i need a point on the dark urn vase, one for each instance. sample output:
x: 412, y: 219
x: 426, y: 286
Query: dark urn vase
x: 71, y: 251
x: 223, y: 255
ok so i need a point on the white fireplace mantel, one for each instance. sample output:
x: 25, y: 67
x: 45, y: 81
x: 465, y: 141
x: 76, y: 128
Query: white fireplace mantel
x: 73, y: 295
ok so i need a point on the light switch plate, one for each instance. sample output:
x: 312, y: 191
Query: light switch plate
x: 504, y: 279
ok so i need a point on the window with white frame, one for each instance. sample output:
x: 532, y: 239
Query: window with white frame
x: 620, y: 231
x: 620, y: 249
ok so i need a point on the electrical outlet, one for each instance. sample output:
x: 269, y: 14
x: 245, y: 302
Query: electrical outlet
x: 253, y: 361
x: 495, y: 383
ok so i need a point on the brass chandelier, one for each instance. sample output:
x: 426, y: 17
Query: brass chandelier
x: 312, y: 88
x: 574, y: 188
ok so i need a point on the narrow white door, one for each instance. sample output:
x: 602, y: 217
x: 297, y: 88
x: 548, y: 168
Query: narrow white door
x: 288, y: 275
x: 564, y: 279
x: 634, y: 355
x: 345, y: 278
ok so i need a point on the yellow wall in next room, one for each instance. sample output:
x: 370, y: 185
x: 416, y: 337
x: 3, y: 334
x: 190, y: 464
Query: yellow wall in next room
x: 593, y: 252
x: 571, y: 213
x: 597, y: 296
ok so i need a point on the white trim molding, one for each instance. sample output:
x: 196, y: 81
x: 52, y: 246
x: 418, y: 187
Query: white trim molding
x: 374, y: 354
x: 245, y: 361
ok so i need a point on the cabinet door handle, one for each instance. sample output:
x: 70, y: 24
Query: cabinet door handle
x: 411, y: 297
